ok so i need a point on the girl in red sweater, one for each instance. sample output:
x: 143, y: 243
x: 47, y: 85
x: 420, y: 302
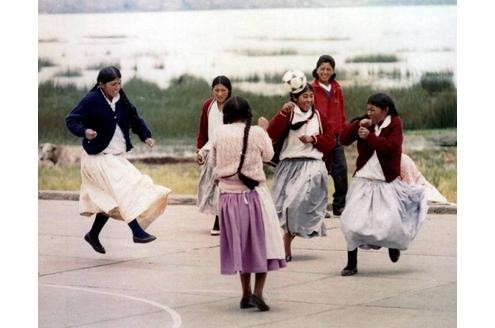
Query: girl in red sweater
x: 382, y: 210
x: 210, y: 120
x: 329, y: 99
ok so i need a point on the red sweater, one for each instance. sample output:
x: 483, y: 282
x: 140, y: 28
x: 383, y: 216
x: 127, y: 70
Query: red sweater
x: 331, y: 105
x: 388, y: 146
x: 202, y: 138
x: 279, y: 129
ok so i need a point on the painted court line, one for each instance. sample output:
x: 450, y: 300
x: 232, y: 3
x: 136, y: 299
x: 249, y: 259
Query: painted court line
x: 176, y: 318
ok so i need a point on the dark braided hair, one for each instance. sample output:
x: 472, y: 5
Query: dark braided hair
x: 293, y: 97
x: 237, y: 109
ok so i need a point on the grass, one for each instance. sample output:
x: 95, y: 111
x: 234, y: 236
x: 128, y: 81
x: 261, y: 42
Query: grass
x: 49, y: 40
x: 435, y: 82
x: 376, y: 58
x: 438, y: 166
x: 395, y: 74
x: 181, y: 178
x: 173, y: 113
x: 159, y: 66
x: 69, y: 72
x: 263, y: 52
x: 311, y: 39
x: 100, y: 65
x: 44, y: 62
x: 440, y: 169
x: 107, y: 36
x: 266, y: 77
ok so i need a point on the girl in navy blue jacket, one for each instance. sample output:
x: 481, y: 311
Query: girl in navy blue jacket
x: 111, y: 185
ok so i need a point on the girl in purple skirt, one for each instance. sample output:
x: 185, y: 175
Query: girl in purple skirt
x: 250, y: 236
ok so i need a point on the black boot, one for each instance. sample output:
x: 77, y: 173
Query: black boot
x: 138, y: 234
x: 351, y: 267
x: 215, y: 231
x: 92, y: 236
x: 394, y: 254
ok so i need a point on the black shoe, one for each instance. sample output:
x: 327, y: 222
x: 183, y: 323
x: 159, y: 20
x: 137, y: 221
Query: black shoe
x: 288, y: 258
x: 245, y: 303
x: 348, y: 271
x: 143, y: 240
x: 259, y: 303
x: 394, y: 254
x: 94, y: 243
x: 337, y: 212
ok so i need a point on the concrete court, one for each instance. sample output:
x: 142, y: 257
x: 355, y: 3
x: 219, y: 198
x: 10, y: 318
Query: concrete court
x: 175, y: 280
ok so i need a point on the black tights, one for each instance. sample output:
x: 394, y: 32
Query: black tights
x: 100, y: 220
x: 351, y: 259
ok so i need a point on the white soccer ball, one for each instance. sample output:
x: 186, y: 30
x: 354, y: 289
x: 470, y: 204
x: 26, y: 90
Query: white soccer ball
x: 294, y: 81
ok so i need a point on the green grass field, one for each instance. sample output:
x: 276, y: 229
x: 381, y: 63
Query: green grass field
x: 173, y: 113
x: 438, y: 167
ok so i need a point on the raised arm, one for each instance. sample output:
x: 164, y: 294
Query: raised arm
x: 350, y: 133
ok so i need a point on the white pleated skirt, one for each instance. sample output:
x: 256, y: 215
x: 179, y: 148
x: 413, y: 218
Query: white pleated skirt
x: 112, y: 185
x: 380, y: 214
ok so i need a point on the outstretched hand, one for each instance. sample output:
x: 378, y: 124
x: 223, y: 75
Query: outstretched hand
x: 263, y: 123
x: 150, y: 142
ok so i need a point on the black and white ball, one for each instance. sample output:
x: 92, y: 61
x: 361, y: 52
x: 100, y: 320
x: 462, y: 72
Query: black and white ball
x: 294, y: 81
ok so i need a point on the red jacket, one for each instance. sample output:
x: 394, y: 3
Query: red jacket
x: 331, y: 105
x: 202, y: 138
x: 278, y: 130
x: 388, y: 146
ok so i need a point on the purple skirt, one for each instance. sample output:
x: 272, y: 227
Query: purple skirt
x: 242, y: 235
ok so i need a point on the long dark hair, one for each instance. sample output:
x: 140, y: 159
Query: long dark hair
x: 223, y: 80
x: 108, y: 74
x: 234, y: 110
x: 383, y: 101
x: 293, y: 97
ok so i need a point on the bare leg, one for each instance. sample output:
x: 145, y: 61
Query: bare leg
x: 246, y: 284
x: 246, y: 290
x: 287, y: 242
x: 257, y: 297
x: 259, y: 283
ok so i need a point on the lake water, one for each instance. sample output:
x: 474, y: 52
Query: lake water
x: 240, y: 43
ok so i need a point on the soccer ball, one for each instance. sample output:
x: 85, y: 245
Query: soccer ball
x: 294, y: 81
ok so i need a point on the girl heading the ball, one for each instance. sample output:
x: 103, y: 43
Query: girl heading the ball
x: 300, y: 139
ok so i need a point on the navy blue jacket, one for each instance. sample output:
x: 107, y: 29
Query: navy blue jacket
x: 94, y: 112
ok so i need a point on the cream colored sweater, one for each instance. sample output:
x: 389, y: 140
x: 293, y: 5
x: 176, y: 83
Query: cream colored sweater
x: 227, y: 147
